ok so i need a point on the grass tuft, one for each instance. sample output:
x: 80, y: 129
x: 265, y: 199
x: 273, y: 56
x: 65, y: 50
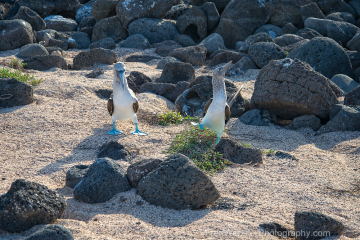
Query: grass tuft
x: 199, y: 145
x: 172, y: 117
x: 19, y: 75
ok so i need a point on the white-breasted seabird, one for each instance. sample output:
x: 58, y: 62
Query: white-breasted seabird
x: 122, y: 104
x: 216, y: 112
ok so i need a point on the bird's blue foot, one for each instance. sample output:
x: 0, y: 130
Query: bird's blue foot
x: 217, y: 140
x: 201, y: 127
x: 198, y: 124
x: 138, y: 132
x: 114, y: 131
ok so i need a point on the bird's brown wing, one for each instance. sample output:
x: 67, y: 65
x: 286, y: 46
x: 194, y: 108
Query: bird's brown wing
x: 227, y: 113
x: 207, y: 105
x: 136, y: 106
x: 110, y: 106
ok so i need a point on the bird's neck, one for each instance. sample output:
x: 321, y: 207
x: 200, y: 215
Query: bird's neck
x: 219, y: 91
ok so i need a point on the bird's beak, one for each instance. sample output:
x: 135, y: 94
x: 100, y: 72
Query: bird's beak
x: 223, y: 70
x: 120, y: 75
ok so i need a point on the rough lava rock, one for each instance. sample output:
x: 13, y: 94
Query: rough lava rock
x: 106, y: 43
x: 52, y: 232
x: 93, y: 56
x: 344, y: 82
x: 103, y: 8
x: 167, y: 90
x: 353, y: 97
x: 42, y: 63
x: 263, y: 52
x: 28, y: 15
x: 15, y: 93
x: 193, y: 22
x: 291, y: 89
x: 109, y: 27
x: 136, y: 80
x: 15, y: 34
x: 32, y: 50
x: 257, y: 117
x: 307, y: 121
x: 137, y: 41
x: 27, y: 204
x: 138, y: 170
x: 212, y: 43
x: 75, y: 174
x: 115, y: 151
x: 194, y: 55
x: 272, y: 30
x: 175, y: 72
x: 51, y: 7
x: 178, y: 184
x: 104, y: 179
x: 59, y: 23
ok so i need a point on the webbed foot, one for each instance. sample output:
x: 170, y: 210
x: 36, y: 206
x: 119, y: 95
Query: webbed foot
x: 198, y: 124
x: 115, y: 132
x: 217, y: 140
x: 138, y: 132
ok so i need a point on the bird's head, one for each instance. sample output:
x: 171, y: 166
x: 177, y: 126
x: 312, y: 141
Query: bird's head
x: 218, y: 79
x: 220, y: 71
x: 119, y: 73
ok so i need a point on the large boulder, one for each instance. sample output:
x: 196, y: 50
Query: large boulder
x: 263, y: 52
x: 28, y: 15
x: 310, y: 121
x: 353, y: 97
x: 130, y: 10
x: 325, y: 56
x: 331, y: 6
x: 168, y: 90
x: 176, y: 11
x: 43, y: 63
x: 75, y: 174
x: 52, y: 232
x: 136, y: 80
x: 103, y: 9
x: 51, y: 7
x: 344, y: 82
x: 32, y: 50
x: 155, y: 30
x: 341, y: 17
x: 15, y: 93
x: 175, y: 72
x: 104, y: 179
x: 225, y: 57
x: 82, y: 40
x: 194, y: 55
x: 138, y: 170
x: 178, y: 184
x: 137, y: 41
x: 311, y: 10
x: 93, y: 56
x: 84, y: 11
x: 258, y: 37
x: 109, y: 27
x: 15, y: 34
x: 240, y: 19
x: 241, y: 66
x: 308, y: 33
x: 212, y: 15
x: 27, y: 204
x: 115, y: 151
x: 354, y: 43
x: 59, y: 23
x: 193, y: 23
x: 220, y: 4
x: 212, y: 43
x: 291, y: 88
x: 284, y: 11
x: 272, y: 30
x: 341, y: 32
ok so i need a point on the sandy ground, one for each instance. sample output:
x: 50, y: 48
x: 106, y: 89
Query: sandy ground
x: 68, y: 122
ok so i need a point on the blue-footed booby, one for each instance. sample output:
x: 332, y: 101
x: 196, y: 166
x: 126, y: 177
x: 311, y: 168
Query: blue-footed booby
x: 216, y: 112
x: 122, y: 104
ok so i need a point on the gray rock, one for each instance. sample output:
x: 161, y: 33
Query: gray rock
x: 15, y: 93
x: 287, y: 39
x: 75, y: 174
x: 275, y: 229
x: 313, y: 223
x: 95, y: 73
x: 32, y: 50
x: 109, y: 27
x: 42, y: 63
x: 263, y: 52
x: 341, y: 17
x: 155, y: 30
x: 164, y: 61
x: 167, y: 90
x: 212, y: 43
x: 129, y: 11
x: 308, y: 33
x: 184, y: 40
x: 289, y: 28
x: 15, y: 34
x: 234, y: 152
x: 52, y: 232
x: 347, y: 119
x: 115, y: 151
x: 87, y: 25
x: 136, y: 41
x: 104, y: 179
x: 353, y: 97
x: 138, y: 170
x: 51, y: 7
x: 165, y: 47
x: 103, y: 9
x: 84, y: 11
x: 27, y: 204
x: 240, y: 67
x: 59, y: 23
x: 344, y: 82
x: 212, y: 15
x: 258, y: 37
x: 193, y: 22
x: 354, y: 43
x: 325, y: 56
x: 53, y: 49
x: 64, y: 45
x: 220, y: 4
x: 335, y: 6
x: 136, y: 80
x: 240, y: 19
x: 93, y: 56
x: 28, y: 15
x: 144, y: 58
x: 283, y: 12
x: 307, y: 121
x: 258, y: 117
x: 311, y: 10
x: 106, y: 43
x: 355, y: 4
x: 272, y: 30
x: 177, y: 184
x: 242, y: 46
x: 319, y: 25
x: 341, y: 32
x: 194, y: 55
x: 225, y: 57
x: 176, y: 11
x: 82, y: 40
x: 175, y: 72
x: 291, y: 89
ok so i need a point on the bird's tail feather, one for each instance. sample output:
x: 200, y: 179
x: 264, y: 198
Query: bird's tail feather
x: 233, y: 98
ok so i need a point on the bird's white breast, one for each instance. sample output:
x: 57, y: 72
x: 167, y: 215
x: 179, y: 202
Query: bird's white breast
x: 123, y: 104
x: 215, y: 115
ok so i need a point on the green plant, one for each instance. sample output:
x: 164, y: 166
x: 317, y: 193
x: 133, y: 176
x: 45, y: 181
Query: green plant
x: 172, y: 117
x: 271, y: 151
x: 19, y: 75
x: 198, y: 145
x: 15, y: 63
x: 287, y: 53
x: 246, y: 144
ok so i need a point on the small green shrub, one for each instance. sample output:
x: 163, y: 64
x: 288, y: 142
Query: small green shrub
x: 19, y: 75
x: 198, y: 145
x: 246, y: 144
x: 271, y: 151
x: 16, y: 64
x: 172, y: 117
